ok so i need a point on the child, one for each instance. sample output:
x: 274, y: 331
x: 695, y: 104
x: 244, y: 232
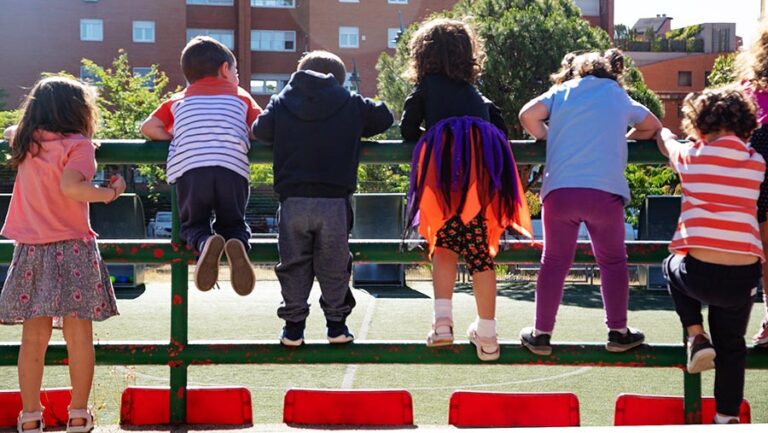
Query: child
x: 315, y: 126
x: 56, y: 271
x: 464, y: 182
x: 208, y: 125
x: 584, y: 182
x: 716, y: 250
x: 753, y: 72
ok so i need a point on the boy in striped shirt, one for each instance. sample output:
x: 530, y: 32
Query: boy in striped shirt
x: 716, y: 250
x: 208, y: 124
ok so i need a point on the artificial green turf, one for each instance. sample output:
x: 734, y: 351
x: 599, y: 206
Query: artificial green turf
x: 401, y: 314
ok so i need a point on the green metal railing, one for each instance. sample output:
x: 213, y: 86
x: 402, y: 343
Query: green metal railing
x: 179, y: 353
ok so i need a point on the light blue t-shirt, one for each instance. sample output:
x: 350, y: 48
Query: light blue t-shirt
x: 586, y: 144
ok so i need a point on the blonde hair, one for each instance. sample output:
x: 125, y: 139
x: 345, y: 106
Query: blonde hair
x: 608, y: 65
x: 752, y: 64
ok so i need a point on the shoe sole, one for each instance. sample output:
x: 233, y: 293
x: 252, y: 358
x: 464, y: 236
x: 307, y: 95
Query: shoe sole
x: 341, y: 339
x: 483, y: 355
x: 207, y: 269
x: 291, y: 343
x: 241, y: 272
x: 440, y: 343
x: 703, y: 360
x: 535, y: 349
x: 618, y: 348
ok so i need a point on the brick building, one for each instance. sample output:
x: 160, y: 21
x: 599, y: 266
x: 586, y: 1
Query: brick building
x: 674, y: 74
x: 267, y: 36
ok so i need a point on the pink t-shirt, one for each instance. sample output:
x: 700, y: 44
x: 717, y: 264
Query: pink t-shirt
x: 39, y: 213
x: 761, y: 100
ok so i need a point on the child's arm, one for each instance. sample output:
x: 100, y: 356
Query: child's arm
x: 666, y: 141
x: 646, y: 129
x: 532, y: 117
x: 154, y: 129
x: 413, y: 115
x: 377, y: 118
x: 264, y: 127
x: 75, y: 186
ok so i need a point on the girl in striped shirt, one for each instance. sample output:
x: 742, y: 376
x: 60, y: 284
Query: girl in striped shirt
x: 716, y: 250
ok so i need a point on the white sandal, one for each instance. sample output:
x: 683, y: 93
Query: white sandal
x: 25, y: 417
x: 436, y: 339
x: 80, y: 414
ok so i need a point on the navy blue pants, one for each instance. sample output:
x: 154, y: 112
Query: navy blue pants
x: 728, y: 290
x: 212, y: 200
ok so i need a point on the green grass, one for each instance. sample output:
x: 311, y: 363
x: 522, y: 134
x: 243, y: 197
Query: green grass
x: 223, y: 315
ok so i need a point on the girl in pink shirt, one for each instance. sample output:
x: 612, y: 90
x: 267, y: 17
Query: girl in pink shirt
x: 56, y: 270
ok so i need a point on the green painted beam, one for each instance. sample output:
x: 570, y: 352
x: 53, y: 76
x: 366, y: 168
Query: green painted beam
x: 367, y: 352
x: 363, y: 250
x: 382, y: 152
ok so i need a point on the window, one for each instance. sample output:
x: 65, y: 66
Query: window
x: 684, y: 79
x: 211, y: 2
x: 142, y: 71
x: 268, y: 84
x: 144, y: 31
x: 351, y: 83
x: 392, y: 37
x: 273, y: 40
x: 590, y: 8
x: 91, y: 30
x: 273, y: 3
x: 397, y: 2
x: 349, y: 37
x: 87, y: 75
x: 226, y: 37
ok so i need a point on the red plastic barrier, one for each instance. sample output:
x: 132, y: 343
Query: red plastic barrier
x: 499, y: 409
x: 215, y: 406
x: 635, y: 409
x: 348, y: 407
x: 55, y: 400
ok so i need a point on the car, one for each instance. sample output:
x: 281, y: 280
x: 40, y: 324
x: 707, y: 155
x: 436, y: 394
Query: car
x: 160, y: 225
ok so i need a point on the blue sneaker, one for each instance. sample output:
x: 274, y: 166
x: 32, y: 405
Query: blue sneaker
x: 338, y: 333
x: 293, y: 334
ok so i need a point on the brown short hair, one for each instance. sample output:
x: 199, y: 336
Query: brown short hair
x: 324, y: 62
x: 446, y: 47
x: 203, y: 56
x: 56, y: 104
x: 566, y: 72
x: 721, y: 109
x: 597, y: 65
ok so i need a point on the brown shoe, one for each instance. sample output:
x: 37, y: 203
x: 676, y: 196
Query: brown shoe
x: 241, y: 272
x: 207, y: 269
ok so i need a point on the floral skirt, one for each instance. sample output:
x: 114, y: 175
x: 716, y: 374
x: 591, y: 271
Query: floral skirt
x: 60, y: 279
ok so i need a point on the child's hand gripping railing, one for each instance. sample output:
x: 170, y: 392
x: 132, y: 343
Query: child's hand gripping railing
x: 178, y: 353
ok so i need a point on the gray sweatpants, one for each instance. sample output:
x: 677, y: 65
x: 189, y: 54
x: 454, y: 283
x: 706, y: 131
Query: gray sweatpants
x: 313, y: 241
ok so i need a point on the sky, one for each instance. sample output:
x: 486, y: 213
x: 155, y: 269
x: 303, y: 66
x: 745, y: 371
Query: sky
x: 744, y: 13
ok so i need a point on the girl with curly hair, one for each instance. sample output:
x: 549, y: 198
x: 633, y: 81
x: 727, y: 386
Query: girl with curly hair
x: 465, y: 189
x: 716, y: 250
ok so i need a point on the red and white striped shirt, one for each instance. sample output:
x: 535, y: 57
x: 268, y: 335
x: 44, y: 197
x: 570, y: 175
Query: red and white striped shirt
x: 720, y: 182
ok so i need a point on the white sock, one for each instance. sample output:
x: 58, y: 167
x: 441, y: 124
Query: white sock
x: 621, y: 331
x: 486, y: 328
x: 536, y: 333
x: 723, y: 419
x: 443, y: 309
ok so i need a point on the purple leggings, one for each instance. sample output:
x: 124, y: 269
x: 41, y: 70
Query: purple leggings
x: 603, y: 213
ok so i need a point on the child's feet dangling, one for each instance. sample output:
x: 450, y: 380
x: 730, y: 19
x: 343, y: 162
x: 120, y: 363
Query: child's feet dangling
x: 483, y: 336
x: 241, y: 272
x: 701, y: 354
x: 80, y: 421
x: 207, y: 269
x: 761, y: 338
x: 30, y: 422
x: 441, y: 333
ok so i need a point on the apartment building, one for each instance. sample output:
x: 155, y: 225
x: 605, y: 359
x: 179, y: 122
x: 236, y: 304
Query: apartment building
x: 267, y: 36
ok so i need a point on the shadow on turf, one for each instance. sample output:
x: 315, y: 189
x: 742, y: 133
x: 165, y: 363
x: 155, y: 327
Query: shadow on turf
x: 582, y: 295
x: 389, y: 292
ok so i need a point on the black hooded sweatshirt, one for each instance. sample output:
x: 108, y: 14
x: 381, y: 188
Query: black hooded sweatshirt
x: 315, y: 126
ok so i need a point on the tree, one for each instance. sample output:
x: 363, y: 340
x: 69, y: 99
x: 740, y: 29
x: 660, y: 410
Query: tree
x: 723, y: 71
x: 3, y: 95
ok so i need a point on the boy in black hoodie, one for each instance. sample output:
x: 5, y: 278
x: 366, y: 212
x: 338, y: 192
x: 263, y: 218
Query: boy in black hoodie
x: 315, y: 126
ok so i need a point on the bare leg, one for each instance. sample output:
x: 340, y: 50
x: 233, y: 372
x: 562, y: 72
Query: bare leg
x: 484, y: 286
x: 78, y: 334
x: 444, y: 272
x: 35, y: 335
x: 694, y: 330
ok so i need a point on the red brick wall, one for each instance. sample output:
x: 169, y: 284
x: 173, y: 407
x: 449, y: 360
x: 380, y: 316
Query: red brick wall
x: 662, y: 78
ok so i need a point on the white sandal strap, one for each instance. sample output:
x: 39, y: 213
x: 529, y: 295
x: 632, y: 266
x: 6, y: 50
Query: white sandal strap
x: 80, y: 414
x: 25, y: 417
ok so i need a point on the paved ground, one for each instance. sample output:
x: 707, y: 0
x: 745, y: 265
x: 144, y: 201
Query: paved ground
x: 386, y: 314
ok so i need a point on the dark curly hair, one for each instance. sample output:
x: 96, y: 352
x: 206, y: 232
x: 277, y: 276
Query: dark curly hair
x: 446, y: 47
x: 721, y: 109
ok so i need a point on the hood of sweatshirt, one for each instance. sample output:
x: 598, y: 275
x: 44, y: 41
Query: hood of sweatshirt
x: 312, y: 96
